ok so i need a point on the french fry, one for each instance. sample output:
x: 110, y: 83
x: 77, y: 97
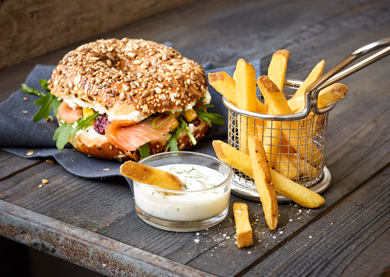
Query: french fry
x: 297, y: 193
x: 246, y: 100
x: 331, y: 94
x: 149, y: 175
x: 233, y: 157
x: 246, y: 86
x: 278, y: 67
x: 277, y: 105
x: 313, y: 76
x: 264, y: 182
x: 243, y: 227
x: 328, y: 95
x: 226, y: 86
x: 286, y: 167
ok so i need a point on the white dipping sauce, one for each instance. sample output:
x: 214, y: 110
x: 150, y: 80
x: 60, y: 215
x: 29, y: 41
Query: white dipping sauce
x: 196, y: 205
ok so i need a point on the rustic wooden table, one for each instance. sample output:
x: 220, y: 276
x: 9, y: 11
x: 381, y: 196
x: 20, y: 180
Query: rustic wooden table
x: 93, y: 223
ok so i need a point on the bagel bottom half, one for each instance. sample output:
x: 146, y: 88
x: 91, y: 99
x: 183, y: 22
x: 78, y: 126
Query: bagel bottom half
x: 100, y: 147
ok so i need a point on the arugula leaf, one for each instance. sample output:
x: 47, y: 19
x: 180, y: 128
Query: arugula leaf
x: 172, y: 141
x: 44, y: 84
x: 206, y: 116
x: 144, y: 150
x: 200, y: 100
x: 28, y: 90
x: 63, y: 132
x: 47, y: 102
x: 210, y: 117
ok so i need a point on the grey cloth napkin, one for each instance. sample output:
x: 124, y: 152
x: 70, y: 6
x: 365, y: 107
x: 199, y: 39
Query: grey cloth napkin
x: 19, y: 134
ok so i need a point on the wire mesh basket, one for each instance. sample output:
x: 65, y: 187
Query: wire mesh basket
x: 295, y: 143
x: 295, y: 148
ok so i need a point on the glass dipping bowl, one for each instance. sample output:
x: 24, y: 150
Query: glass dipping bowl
x: 183, y: 211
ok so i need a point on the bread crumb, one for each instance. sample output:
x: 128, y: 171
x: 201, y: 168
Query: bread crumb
x: 44, y: 181
x: 25, y: 98
x: 106, y: 169
x: 24, y: 112
x: 30, y: 152
x: 49, y: 161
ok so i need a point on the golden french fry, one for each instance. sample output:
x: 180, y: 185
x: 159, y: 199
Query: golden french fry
x: 243, y: 227
x: 149, y: 175
x: 233, y: 157
x: 277, y: 105
x: 286, y: 167
x: 224, y: 84
x: 331, y: 94
x: 313, y: 76
x: 246, y: 86
x: 328, y: 95
x: 263, y: 181
x: 297, y: 193
x: 278, y: 66
x: 246, y: 100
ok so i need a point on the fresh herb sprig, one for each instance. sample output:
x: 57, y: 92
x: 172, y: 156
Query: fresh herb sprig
x: 47, y: 101
x: 144, y: 150
x: 206, y: 116
x: 63, y: 132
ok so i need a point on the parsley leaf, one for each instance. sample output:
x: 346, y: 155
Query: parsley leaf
x: 144, y: 150
x: 63, y: 132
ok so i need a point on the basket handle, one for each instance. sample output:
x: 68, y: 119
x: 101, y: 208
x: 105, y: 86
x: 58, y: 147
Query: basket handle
x: 335, y: 74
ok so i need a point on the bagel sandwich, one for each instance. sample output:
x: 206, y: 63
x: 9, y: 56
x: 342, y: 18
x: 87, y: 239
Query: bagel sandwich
x: 127, y: 99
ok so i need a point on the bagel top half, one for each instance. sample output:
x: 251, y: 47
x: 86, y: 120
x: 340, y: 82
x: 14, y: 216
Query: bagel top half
x: 119, y: 77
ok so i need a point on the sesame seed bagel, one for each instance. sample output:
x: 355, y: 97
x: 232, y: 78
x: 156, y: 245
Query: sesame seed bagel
x: 100, y: 147
x: 119, y: 77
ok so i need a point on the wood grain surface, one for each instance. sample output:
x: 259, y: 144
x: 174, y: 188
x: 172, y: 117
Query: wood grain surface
x: 357, y: 151
x: 33, y: 28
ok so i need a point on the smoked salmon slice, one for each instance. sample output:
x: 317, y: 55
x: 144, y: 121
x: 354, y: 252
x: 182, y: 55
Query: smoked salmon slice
x: 68, y: 114
x: 128, y: 135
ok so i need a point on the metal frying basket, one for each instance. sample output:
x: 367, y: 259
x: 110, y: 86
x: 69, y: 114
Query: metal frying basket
x: 294, y: 143
x: 276, y: 133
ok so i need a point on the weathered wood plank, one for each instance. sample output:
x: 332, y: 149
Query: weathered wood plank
x: 83, y: 247
x: 10, y: 164
x: 25, y: 25
x: 89, y: 204
x: 337, y: 240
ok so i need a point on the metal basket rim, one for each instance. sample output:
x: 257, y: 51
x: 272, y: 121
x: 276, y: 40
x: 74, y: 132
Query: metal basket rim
x: 290, y: 83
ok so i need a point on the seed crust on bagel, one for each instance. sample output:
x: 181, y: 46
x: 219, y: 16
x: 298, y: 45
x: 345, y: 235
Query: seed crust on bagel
x: 123, y: 76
